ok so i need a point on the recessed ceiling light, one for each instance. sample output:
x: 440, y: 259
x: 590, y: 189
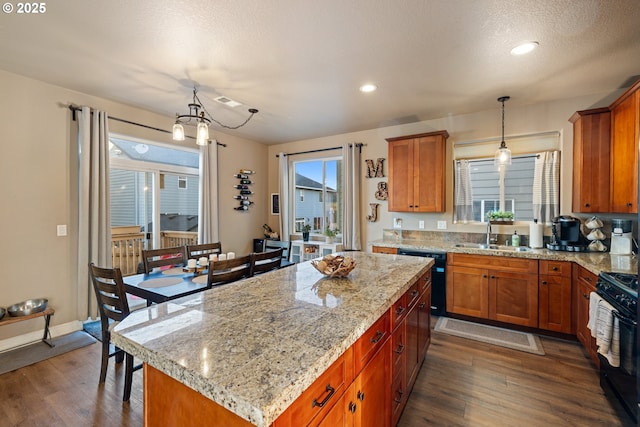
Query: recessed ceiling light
x: 368, y: 87
x: 523, y: 48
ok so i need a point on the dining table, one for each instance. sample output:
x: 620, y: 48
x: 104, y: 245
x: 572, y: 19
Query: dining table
x: 166, y: 284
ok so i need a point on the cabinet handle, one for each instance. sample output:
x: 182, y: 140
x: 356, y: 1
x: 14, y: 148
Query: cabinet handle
x: 585, y: 296
x: 493, y: 277
x: 400, y: 349
x: 377, y: 338
x: 421, y: 306
x: 352, y: 407
x: 629, y: 204
x: 484, y: 276
x: 360, y: 396
x: 554, y: 268
x: 586, y: 205
x: 414, y: 294
x: 399, y: 310
x: 331, y: 391
x: 544, y: 282
x: 587, y: 278
x: 399, y: 394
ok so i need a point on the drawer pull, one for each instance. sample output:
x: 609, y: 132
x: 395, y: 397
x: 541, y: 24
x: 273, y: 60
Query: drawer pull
x: 414, y: 294
x: 360, y: 396
x: 352, y: 407
x: 331, y: 391
x: 377, y: 338
x: 400, y: 349
x: 544, y: 282
x: 585, y: 296
x: 399, y: 310
x: 398, y: 398
x: 586, y: 205
x: 421, y: 306
x: 554, y: 268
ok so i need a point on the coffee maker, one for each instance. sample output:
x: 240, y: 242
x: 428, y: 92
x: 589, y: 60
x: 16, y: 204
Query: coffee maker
x: 565, y: 234
x: 621, y: 236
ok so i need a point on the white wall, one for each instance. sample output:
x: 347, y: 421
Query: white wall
x: 38, y: 191
x: 519, y: 120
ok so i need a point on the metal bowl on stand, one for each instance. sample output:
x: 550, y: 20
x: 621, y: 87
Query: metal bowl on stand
x: 28, y: 307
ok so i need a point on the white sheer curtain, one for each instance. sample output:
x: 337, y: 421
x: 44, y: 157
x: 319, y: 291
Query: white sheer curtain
x: 351, y: 239
x: 463, y: 200
x: 283, y: 188
x: 208, y: 200
x: 546, y: 185
x: 94, y: 210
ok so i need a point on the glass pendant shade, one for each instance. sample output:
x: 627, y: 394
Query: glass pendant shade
x: 178, y: 132
x: 503, y: 156
x: 202, y: 134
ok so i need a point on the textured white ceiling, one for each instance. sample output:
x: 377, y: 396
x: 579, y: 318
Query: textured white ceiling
x: 300, y: 62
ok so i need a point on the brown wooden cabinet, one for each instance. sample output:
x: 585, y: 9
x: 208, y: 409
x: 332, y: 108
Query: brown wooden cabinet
x: 384, y: 250
x: 555, y: 297
x: 417, y: 172
x: 591, y: 142
x: 584, y: 282
x: 497, y: 288
x: 625, y: 118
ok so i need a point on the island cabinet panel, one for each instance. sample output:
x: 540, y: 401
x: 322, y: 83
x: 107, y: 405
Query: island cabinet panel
x: 555, y: 298
x: 591, y: 158
x: 417, y: 172
x: 424, y: 321
x: 399, y: 391
x: 168, y: 402
x: 584, y: 282
x: 625, y: 118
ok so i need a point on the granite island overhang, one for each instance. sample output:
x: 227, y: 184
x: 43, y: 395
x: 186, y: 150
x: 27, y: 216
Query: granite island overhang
x: 255, y: 345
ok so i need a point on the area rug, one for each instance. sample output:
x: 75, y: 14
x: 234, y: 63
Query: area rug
x: 490, y: 334
x: 94, y: 329
x: 33, y: 353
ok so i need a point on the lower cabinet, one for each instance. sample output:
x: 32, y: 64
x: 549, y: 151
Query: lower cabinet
x: 584, y: 282
x: 555, y: 296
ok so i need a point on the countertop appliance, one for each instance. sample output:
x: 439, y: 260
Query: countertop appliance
x: 565, y: 235
x: 438, y: 278
x: 619, y: 383
x: 621, y: 236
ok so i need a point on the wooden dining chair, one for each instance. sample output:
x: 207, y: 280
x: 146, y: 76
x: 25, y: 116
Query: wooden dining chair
x: 204, y: 249
x: 261, y: 262
x: 275, y: 244
x: 113, y: 307
x: 221, y: 272
x: 165, y: 257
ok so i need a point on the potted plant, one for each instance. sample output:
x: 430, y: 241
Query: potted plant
x: 331, y: 234
x: 305, y: 232
x: 507, y: 216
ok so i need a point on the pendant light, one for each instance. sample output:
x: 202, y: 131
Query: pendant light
x: 196, y: 116
x: 503, y: 154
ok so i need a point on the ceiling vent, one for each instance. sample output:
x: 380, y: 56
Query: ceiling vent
x: 228, y: 102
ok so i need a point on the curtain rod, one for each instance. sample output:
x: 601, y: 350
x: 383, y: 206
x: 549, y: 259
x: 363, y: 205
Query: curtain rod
x: 524, y: 156
x: 74, y: 109
x: 359, y: 145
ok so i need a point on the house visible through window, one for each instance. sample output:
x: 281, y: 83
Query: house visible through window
x: 323, y: 178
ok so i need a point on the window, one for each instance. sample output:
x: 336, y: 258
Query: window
x: 321, y: 177
x: 154, y: 184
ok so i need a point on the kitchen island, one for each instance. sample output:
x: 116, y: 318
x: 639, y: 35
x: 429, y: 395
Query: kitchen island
x: 254, y: 346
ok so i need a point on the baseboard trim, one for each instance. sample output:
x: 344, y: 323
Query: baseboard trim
x: 35, y: 336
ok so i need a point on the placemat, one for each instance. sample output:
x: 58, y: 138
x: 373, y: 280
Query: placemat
x: 202, y: 279
x: 160, y: 282
x: 174, y: 271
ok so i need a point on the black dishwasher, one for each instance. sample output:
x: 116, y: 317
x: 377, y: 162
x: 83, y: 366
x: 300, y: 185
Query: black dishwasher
x: 438, y: 278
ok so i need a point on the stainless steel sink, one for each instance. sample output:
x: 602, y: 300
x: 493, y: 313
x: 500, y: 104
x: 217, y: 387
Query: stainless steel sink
x: 493, y: 247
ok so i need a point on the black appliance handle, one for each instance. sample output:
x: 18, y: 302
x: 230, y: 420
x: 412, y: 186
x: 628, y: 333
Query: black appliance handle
x: 624, y: 319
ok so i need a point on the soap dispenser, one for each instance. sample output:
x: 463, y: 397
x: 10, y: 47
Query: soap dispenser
x: 515, y: 239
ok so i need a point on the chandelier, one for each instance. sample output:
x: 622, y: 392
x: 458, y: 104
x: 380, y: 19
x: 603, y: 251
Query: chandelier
x: 201, y: 118
x: 503, y: 154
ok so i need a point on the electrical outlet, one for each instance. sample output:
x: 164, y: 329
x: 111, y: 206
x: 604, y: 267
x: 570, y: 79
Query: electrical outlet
x: 421, y: 225
x: 442, y: 225
x: 61, y: 230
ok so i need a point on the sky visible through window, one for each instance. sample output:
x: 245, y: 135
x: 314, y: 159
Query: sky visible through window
x: 313, y: 170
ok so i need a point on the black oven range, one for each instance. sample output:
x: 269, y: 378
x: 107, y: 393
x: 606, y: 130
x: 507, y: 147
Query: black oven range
x: 619, y: 383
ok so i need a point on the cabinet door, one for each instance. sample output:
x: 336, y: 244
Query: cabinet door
x: 413, y: 325
x: 513, y: 298
x: 428, y: 171
x: 624, y: 155
x: 584, y: 284
x: 467, y: 291
x: 424, y: 323
x: 555, y: 303
x: 591, y: 142
x: 401, y: 176
x: 372, y: 391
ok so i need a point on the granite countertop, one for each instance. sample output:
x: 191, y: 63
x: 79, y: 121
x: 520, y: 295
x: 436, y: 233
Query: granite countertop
x: 595, y: 262
x: 255, y: 345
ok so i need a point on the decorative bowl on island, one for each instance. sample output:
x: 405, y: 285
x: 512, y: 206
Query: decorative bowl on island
x: 334, y: 265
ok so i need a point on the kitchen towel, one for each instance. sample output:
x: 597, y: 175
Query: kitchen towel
x: 605, y: 328
x: 535, y: 235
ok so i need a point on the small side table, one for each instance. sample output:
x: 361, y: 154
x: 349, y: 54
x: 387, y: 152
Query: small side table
x: 47, y: 313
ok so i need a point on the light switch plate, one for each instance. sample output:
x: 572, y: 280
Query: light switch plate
x: 421, y: 224
x: 397, y: 222
x: 442, y: 225
x: 61, y: 230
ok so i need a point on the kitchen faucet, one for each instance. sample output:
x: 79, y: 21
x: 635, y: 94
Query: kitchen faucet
x: 489, y: 239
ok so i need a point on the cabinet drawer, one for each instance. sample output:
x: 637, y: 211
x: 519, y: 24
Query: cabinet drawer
x: 560, y: 268
x: 502, y: 263
x: 368, y: 344
x: 384, y: 250
x: 398, y: 348
x: 321, y: 395
x: 399, y: 311
x: 413, y: 294
x: 425, y: 281
x: 585, y: 276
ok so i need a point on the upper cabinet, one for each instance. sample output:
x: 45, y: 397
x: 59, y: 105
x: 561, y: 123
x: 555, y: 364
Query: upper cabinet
x: 624, y: 151
x: 605, y: 156
x: 591, y: 141
x: 417, y: 172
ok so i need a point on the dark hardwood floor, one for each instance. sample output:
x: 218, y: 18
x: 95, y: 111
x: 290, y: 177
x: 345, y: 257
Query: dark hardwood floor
x: 462, y: 383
